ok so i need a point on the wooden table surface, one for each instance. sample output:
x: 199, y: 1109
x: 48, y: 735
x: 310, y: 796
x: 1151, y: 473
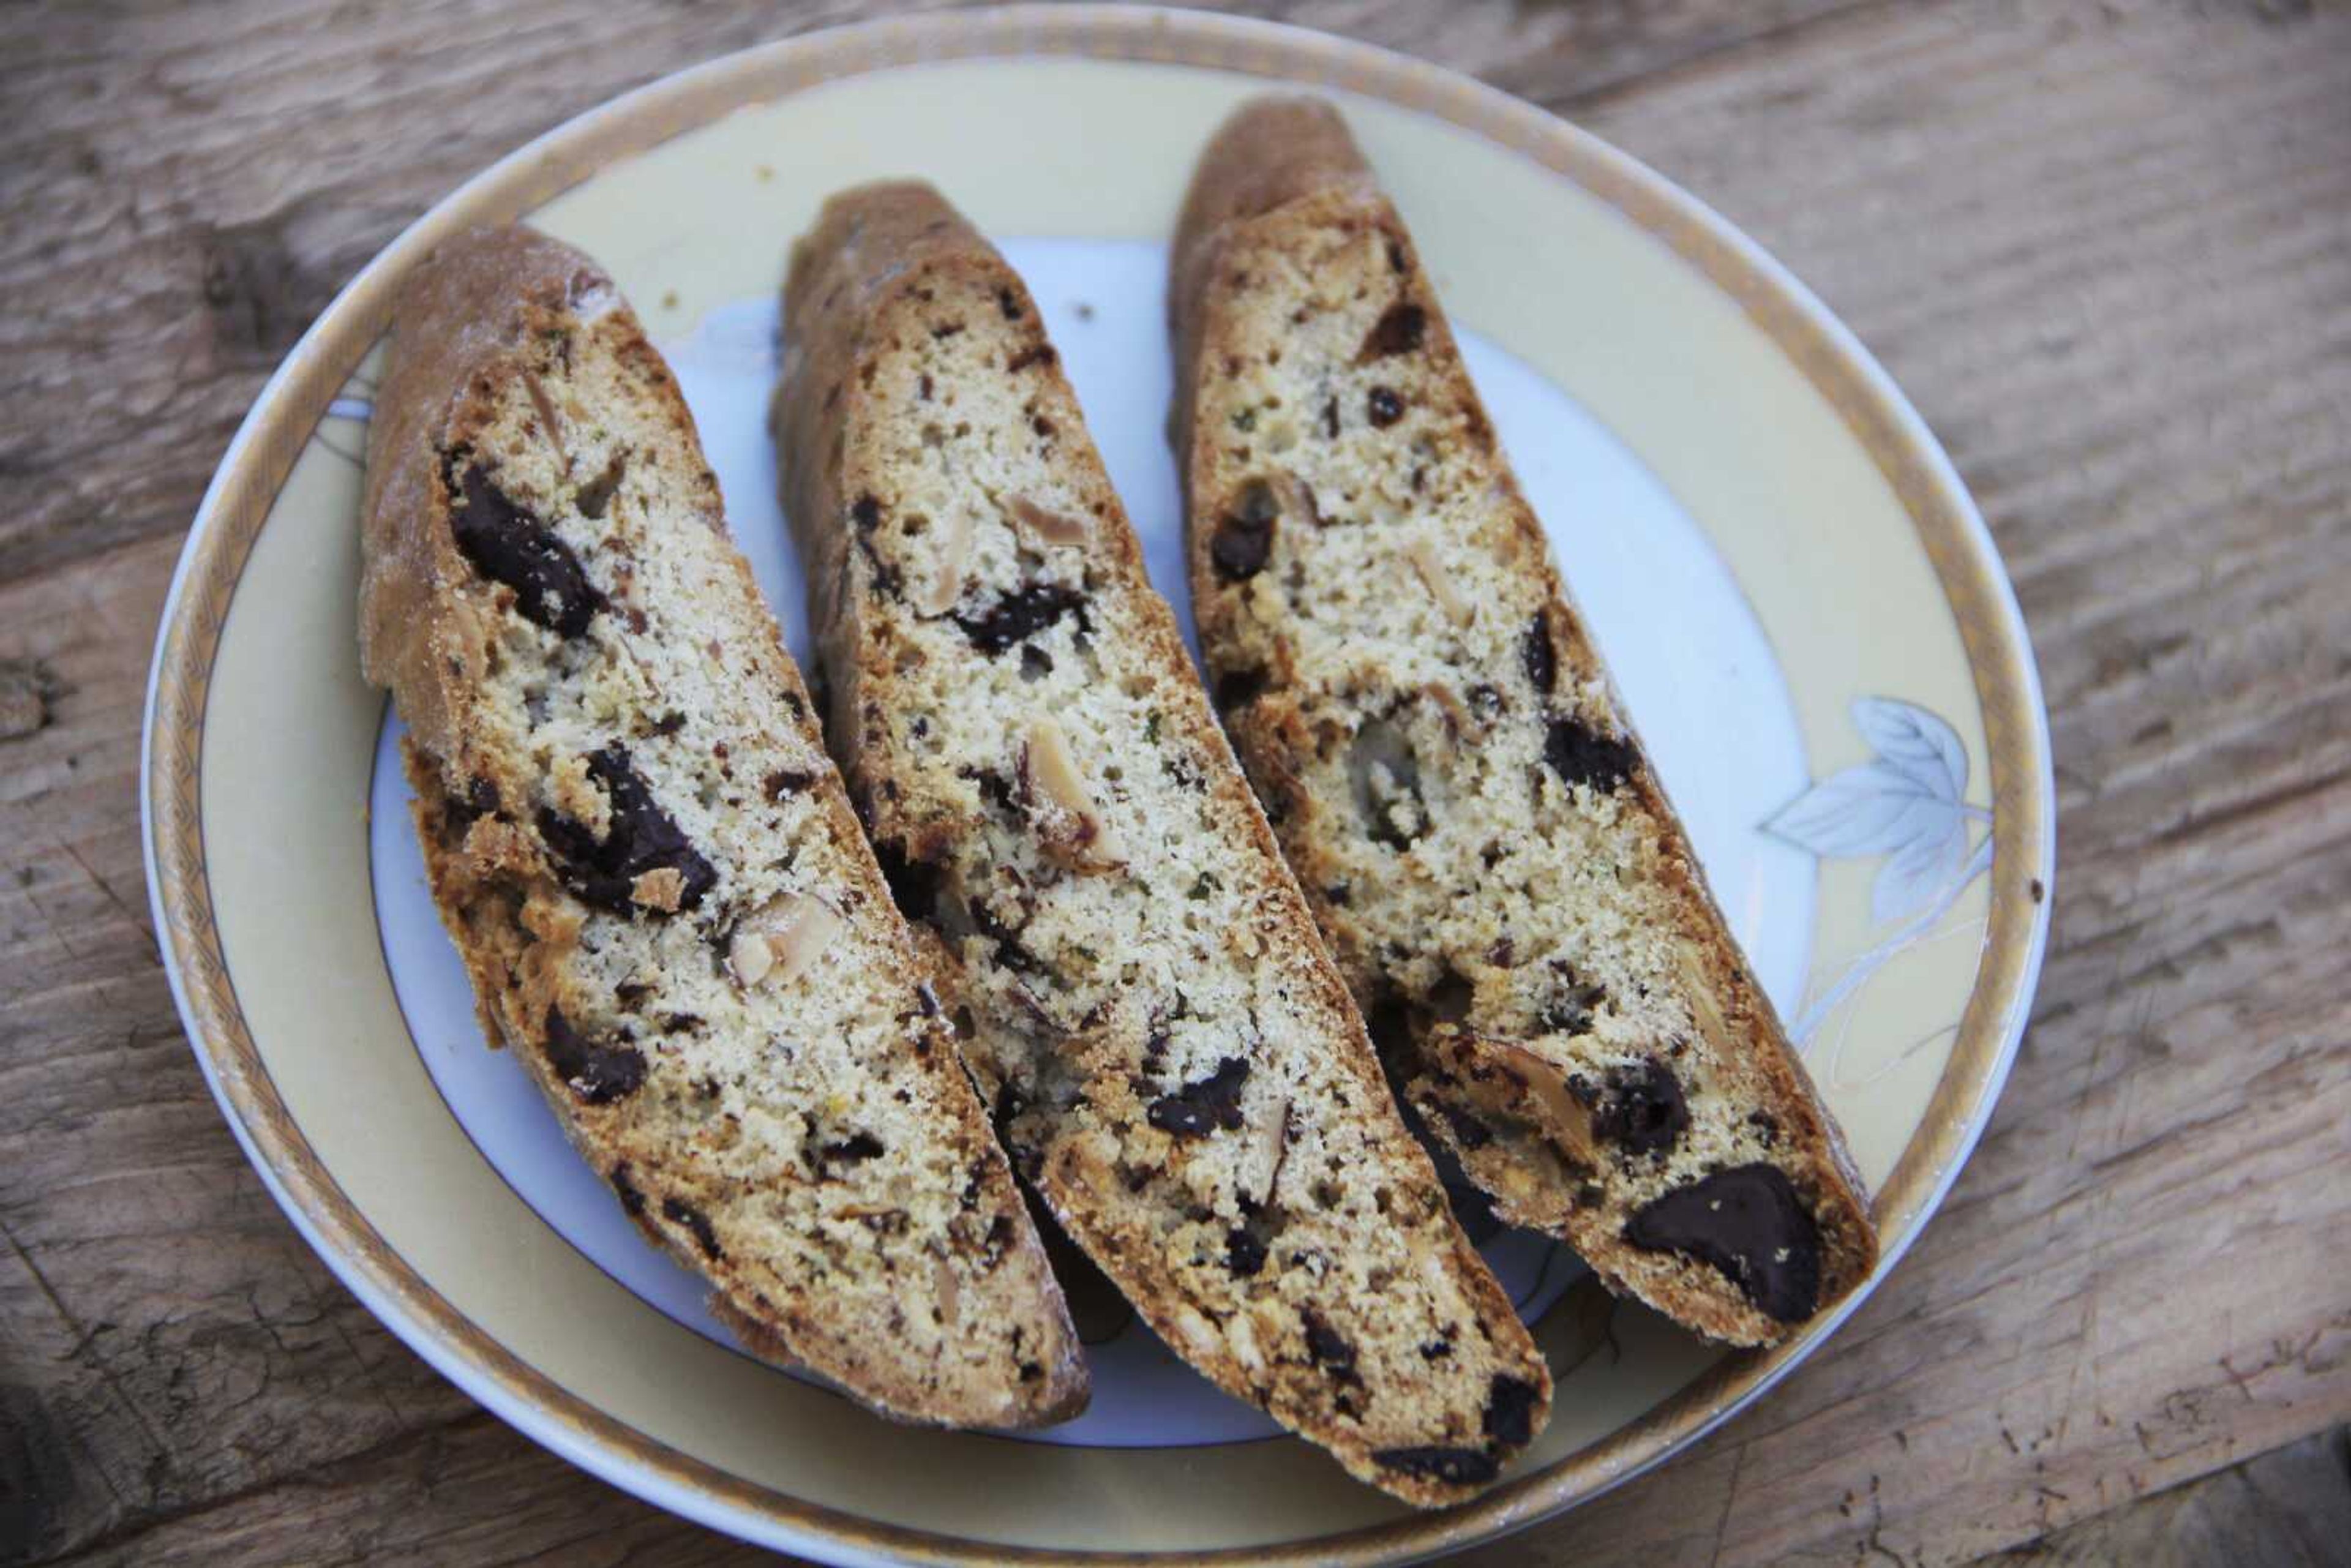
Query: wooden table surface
x: 2106, y: 247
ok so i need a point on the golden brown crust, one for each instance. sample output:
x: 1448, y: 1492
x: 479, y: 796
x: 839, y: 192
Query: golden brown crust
x: 481, y: 294
x: 1283, y: 208
x: 845, y: 1198
x: 922, y: 419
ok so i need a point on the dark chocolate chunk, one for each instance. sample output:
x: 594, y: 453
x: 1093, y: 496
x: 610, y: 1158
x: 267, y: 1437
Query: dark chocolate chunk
x: 1020, y: 615
x: 1511, y: 1410
x: 1766, y: 1126
x: 786, y: 781
x: 1582, y: 756
x: 1214, y: 1103
x: 1641, y: 1109
x: 1036, y: 354
x: 1007, y: 304
x: 1035, y: 662
x: 1244, y: 536
x: 866, y: 513
x: 1749, y: 1222
x: 1437, y: 1349
x: 1454, y: 1466
x: 642, y: 838
x: 1570, y: 1007
x: 507, y: 545
x: 858, y: 1146
x: 1244, y: 1251
x: 1327, y: 1346
x: 679, y: 1212
x: 598, y: 1074
x: 1536, y: 653
x: 480, y: 800
x: 1402, y: 330
x: 632, y: 1200
x: 1383, y: 407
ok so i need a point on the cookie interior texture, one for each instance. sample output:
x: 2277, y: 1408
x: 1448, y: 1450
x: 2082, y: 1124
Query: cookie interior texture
x: 1488, y: 851
x: 649, y: 864
x: 1173, y: 1063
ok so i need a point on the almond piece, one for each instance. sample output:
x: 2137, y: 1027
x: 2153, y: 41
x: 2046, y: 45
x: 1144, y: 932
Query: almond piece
x: 1272, y: 1147
x: 1081, y: 836
x: 1198, y: 1335
x: 950, y: 1294
x: 1422, y: 553
x: 1053, y: 527
x: 549, y: 423
x: 951, y: 540
x: 1241, y: 1336
x: 806, y: 927
x: 1699, y: 989
x: 749, y: 956
x: 1297, y: 499
x: 1530, y: 1086
x: 782, y: 940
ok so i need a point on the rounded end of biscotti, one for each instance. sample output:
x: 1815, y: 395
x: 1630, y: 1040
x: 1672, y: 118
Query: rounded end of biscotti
x: 496, y: 273
x: 1045, y: 1391
x: 1269, y: 152
x: 1447, y: 1471
x: 881, y: 228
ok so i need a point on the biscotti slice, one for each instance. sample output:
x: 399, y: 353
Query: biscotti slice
x: 650, y: 866
x: 1434, y: 735
x: 1174, y: 1062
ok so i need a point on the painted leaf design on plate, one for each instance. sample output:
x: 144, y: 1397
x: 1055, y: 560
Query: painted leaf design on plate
x: 1905, y: 804
x: 1916, y: 743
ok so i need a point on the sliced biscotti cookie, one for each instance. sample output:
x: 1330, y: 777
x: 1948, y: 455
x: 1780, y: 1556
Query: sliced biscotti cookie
x: 1174, y: 1062
x: 650, y: 866
x: 1486, y: 850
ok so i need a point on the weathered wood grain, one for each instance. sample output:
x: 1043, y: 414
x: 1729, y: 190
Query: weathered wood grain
x: 219, y: 174
x: 2106, y: 247
x: 165, y: 1338
x: 2289, y: 1508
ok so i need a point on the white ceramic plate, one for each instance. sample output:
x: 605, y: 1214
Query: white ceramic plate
x: 1807, y: 617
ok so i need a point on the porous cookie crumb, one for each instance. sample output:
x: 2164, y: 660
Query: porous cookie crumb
x: 649, y: 864
x: 1174, y: 1062
x: 1486, y: 848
